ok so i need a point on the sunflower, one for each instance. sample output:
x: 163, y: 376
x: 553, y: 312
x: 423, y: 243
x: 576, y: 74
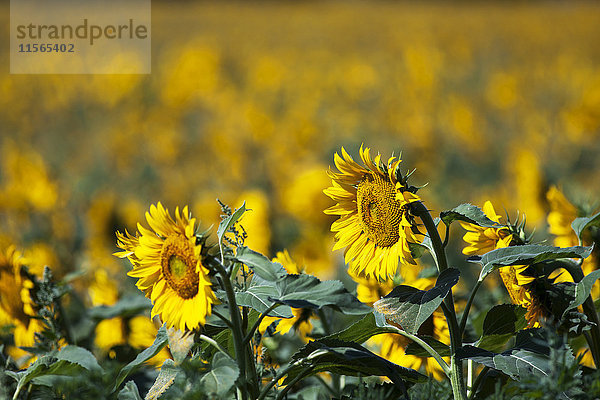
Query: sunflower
x: 139, y: 332
x: 374, y: 223
x: 562, y: 213
x: 301, y: 317
x: 480, y: 240
x: 392, y: 346
x: 167, y: 260
x: 518, y: 283
x: 16, y: 304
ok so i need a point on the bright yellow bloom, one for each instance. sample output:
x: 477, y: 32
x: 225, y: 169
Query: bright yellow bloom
x: 168, y: 264
x: 392, y: 346
x: 374, y: 224
x: 16, y: 305
x: 480, y: 239
x: 139, y: 332
x: 562, y: 213
x: 301, y: 319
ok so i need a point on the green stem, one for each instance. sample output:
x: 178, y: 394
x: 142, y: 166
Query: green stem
x: 300, y: 376
x: 238, y: 339
x: 214, y: 344
x: 222, y: 318
x: 443, y: 364
x: 465, y: 315
x: 477, y: 382
x: 456, y: 372
x: 258, y: 321
x: 590, y: 311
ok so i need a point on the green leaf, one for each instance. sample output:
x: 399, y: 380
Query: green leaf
x: 579, y: 224
x: 160, y: 342
x: 582, y: 290
x: 348, y: 358
x: 416, y: 350
x: 261, y: 265
x: 468, y: 213
x: 500, y: 324
x: 307, y: 291
x: 410, y: 307
x: 228, y: 222
x: 361, y: 331
x: 126, y: 307
x: 530, y: 356
x: 418, y: 249
x: 80, y: 356
x: 221, y: 377
x: 166, y: 377
x: 129, y: 392
x: 180, y: 343
x: 515, y: 363
x: 526, y: 255
x: 71, y: 360
x: 259, y: 296
x: 299, y: 291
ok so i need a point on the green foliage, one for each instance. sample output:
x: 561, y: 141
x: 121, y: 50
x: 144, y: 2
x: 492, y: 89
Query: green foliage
x: 468, y: 213
x: 129, y: 392
x: 581, y: 223
x: 526, y: 255
x: 410, y: 307
x: 220, y: 380
x: 160, y: 342
x: 500, y: 324
x: 348, y: 358
x: 127, y: 306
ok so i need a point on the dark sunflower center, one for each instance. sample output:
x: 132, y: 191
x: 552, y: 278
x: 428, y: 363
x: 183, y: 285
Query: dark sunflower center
x: 379, y: 211
x: 179, y: 266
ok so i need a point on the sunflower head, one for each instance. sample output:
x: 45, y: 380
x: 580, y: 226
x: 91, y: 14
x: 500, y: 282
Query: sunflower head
x: 16, y: 300
x: 168, y: 262
x: 374, y: 225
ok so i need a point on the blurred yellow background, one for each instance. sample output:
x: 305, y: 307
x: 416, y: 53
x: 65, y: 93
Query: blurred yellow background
x: 248, y: 101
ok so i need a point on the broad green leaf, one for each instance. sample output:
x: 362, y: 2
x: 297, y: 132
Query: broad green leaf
x: 526, y: 255
x: 126, y: 307
x: 299, y: 291
x: 410, y: 307
x: 307, y: 291
x: 180, y: 343
x: 260, y: 265
x: 160, y: 342
x: 166, y: 377
x: 221, y: 377
x: 80, y: 356
x: 259, y: 296
x: 71, y: 360
x: 468, y: 213
x: 583, y: 289
x: 530, y: 356
x: 579, y: 224
x: 129, y: 392
x: 515, y: 363
x: 227, y: 223
x: 416, y: 350
x: 361, y: 331
x: 348, y: 358
x: 500, y: 324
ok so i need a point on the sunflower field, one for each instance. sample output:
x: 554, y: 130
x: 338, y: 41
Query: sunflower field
x: 310, y: 200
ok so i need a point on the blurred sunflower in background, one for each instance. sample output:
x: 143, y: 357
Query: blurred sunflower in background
x: 17, y: 308
x: 392, y: 346
x: 167, y: 260
x: 139, y: 331
x: 301, y: 321
x: 374, y: 223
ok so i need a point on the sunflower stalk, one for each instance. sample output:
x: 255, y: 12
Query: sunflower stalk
x: 238, y: 334
x: 589, y: 310
x: 456, y: 371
